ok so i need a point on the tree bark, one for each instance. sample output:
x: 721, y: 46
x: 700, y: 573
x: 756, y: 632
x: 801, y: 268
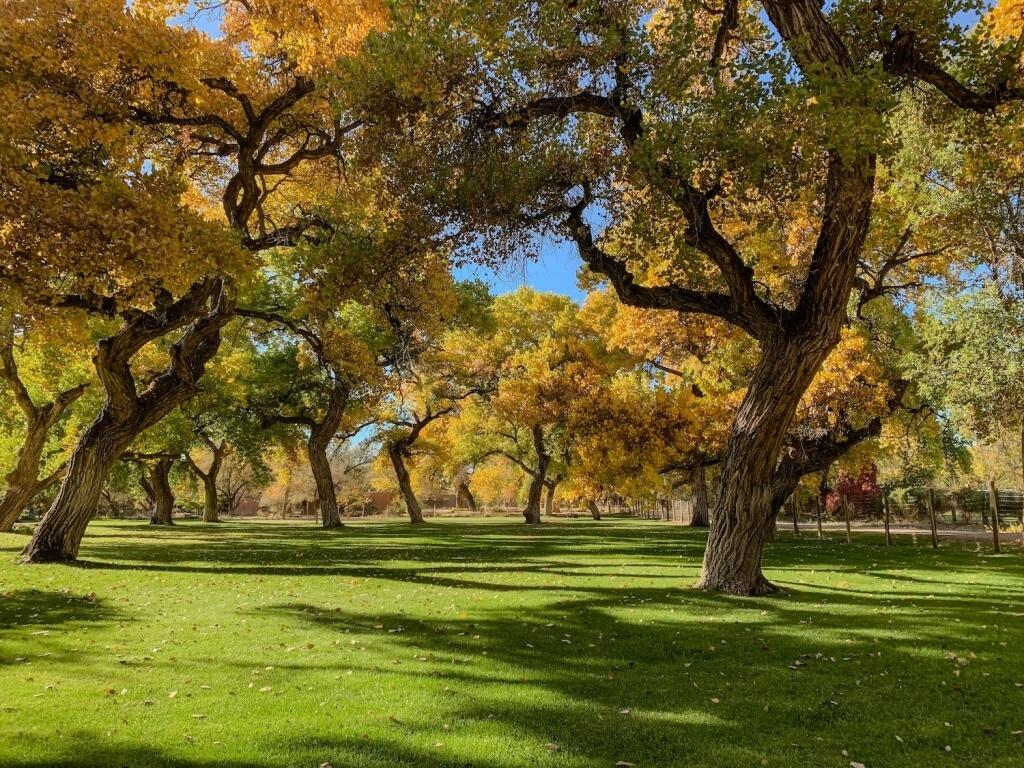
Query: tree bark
x: 412, y: 505
x: 316, y: 450
x: 531, y: 514
x: 700, y: 498
x: 163, y: 496
x: 205, y: 309
x: 595, y: 511
x: 746, y: 505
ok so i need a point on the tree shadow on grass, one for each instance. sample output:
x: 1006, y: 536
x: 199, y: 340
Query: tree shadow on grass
x: 798, y: 680
x: 618, y: 664
x: 32, y: 614
x: 22, y: 608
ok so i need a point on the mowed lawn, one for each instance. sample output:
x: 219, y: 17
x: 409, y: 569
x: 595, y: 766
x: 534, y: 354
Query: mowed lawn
x: 492, y: 645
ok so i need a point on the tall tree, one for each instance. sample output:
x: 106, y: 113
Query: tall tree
x: 144, y: 172
x: 741, y: 145
x: 441, y: 368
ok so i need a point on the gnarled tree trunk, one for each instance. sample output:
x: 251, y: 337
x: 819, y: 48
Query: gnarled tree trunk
x: 746, y: 505
x: 700, y: 497
x: 412, y: 504
x: 205, y: 309
x: 163, y: 497
x: 595, y: 511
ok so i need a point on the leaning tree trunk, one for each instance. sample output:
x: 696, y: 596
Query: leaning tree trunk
x: 316, y: 450
x: 13, y: 503
x: 163, y: 496
x: 595, y: 511
x: 205, y: 309
x: 746, y: 503
x: 59, y: 534
x: 20, y: 492
x: 412, y: 504
x: 700, y: 498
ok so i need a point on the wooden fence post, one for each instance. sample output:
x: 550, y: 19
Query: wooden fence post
x: 885, y: 514
x: 846, y: 511
x: 930, y: 498
x: 817, y: 511
x: 993, y: 500
x: 796, y: 523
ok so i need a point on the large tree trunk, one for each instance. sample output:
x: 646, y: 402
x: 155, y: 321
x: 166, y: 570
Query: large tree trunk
x: 211, y: 503
x: 595, y: 511
x: 59, y: 534
x: 746, y: 503
x: 205, y: 309
x: 412, y: 504
x: 531, y: 514
x: 163, y: 496
x: 316, y: 450
x: 700, y: 497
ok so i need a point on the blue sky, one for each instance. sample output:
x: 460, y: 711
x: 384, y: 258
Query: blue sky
x: 554, y: 271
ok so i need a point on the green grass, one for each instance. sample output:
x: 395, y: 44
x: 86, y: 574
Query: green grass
x: 485, y: 644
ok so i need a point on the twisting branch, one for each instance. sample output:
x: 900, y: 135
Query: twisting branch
x: 755, y: 319
x: 902, y: 56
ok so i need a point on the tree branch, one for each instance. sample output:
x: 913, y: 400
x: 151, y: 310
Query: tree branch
x: 903, y: 57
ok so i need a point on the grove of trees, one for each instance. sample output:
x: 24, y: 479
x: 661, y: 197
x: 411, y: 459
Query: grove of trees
x: 229, y: 257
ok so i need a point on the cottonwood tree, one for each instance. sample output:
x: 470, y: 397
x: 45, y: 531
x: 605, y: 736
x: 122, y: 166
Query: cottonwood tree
x: 440, y: 369
x: 319, y: 377
x: 221, y: 426
x: 99, y: 155
x: 543, y: 368
x: 30, y: 472
x: 714, y: 135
